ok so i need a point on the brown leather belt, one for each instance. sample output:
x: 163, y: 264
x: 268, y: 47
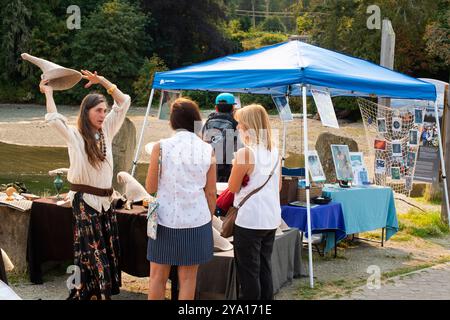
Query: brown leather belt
x: 91, y: 190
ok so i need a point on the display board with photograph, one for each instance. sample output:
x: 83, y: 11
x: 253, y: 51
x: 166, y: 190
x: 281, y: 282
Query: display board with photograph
x: 315, y: 167
x: 166, y: 100
x: 284, y: 110
x: 342, y: 162
x: 360, y: 175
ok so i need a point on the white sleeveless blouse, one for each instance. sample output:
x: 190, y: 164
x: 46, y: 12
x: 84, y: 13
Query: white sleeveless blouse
x: 186, y: 160
x: 262, y: 210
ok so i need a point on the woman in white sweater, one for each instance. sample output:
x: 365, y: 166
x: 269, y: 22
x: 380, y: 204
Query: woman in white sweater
x: 96, y: 240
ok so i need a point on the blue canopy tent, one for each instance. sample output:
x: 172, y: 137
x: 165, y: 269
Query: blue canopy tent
x: 292, y: 68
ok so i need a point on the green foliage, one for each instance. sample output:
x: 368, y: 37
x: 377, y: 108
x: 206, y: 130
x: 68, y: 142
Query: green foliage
x: 245, y: 23
x: 437, y: 37
x: 273, y: 24
x: 15, y: 36
x: 422, y: 225
x: 257, y: 39
x: 342, y: 26
x: 110, y: 41
x: 304, y: 24
x: 188, y: 31
x: 144, y: 81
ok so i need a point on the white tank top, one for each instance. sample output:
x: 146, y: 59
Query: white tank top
x: 262, y: 210
x: 185, y: 163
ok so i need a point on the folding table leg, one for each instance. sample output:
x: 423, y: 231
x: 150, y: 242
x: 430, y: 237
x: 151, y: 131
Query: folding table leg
x: 335, y: 245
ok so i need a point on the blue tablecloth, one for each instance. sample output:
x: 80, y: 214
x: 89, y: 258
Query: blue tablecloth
x: 326, y: 219
x: 366, y: 208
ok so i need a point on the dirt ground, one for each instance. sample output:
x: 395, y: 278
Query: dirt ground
x: 26, y: 126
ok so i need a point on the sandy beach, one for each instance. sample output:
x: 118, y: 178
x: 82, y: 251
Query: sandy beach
x: 25, y: 125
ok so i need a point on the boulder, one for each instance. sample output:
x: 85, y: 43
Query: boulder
x: 123, y: 148
x: 324, y: 151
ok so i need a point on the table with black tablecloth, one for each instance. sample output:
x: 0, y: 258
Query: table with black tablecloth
x: 50, y: 238
x: 217, y: 278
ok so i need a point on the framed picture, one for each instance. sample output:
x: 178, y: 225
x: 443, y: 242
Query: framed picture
x: 363, y: 176
x: 408, y: 183
x: 342, y: 164
x: 167, y: 98
x: 284, y: 110
x: 379, y: 145
x: 411, y: 159
x: 396, y: 124
x: 357, y: 159
x: 380, y: 166
x: 381, y: 125
x: 395, y: 173
x: 414, y: 138
x: 418, y: 116
x: 315, y: 167
x: 396, y: 148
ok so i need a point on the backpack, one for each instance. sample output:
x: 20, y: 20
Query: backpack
x: 215, y: 133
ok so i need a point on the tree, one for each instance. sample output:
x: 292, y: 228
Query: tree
x: 15, y: 36
x: 112, y: 41
x: 144, y: 82
x: 437, y: 38
x: 273, y: 24
x: 188, y: 31
x: 342, y: 25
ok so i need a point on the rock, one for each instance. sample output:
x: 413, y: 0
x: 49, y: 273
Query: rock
x: 123, y: 145
x: 13, y: 236
x: 324, y: 151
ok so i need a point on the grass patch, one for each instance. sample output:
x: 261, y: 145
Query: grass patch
x: 428, y: 201
x: 331, y: 289
x: 34, y: 164
x: 406, y: 270
x: 402, y: 237
x: 15, y: 277
x: 423, y: 225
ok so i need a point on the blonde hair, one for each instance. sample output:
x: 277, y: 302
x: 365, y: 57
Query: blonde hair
x: 255, y: 121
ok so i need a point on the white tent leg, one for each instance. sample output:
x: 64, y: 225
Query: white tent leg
x: 283, y: 152
x: 441, y: 153
x: 308, y: 205
x: 144, y: 124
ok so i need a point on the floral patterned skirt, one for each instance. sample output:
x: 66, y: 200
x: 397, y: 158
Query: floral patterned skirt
x: 96, y: 251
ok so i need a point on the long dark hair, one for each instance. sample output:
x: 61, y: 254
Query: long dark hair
x: 95, y: 155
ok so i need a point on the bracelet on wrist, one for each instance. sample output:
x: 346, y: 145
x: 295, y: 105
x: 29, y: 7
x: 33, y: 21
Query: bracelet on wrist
x: 111, y: 89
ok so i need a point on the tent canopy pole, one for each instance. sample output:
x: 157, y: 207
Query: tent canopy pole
x: 144, y: 124
x: 308, y: 204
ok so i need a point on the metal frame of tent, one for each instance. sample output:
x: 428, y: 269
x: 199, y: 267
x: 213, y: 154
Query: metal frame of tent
x: 293, y: 68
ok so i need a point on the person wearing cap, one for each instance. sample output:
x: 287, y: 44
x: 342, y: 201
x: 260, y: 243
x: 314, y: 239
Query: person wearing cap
x: 95, y: 229
x: 220, y: 130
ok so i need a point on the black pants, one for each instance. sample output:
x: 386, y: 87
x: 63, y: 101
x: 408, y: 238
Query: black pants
x: 253, y: 254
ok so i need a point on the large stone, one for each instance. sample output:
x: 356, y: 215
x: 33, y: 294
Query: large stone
x: 13, y: 236
x: 123, y: 148
x: 324, y: 151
